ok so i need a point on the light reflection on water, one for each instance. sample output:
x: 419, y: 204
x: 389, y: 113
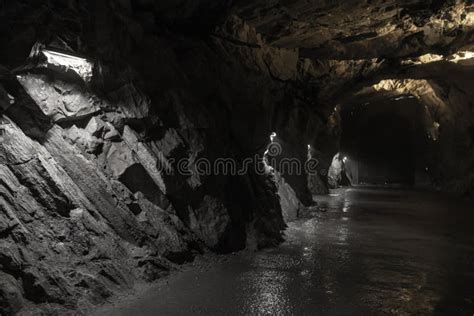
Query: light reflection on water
x: 384, y: 255
x: 267, y: 296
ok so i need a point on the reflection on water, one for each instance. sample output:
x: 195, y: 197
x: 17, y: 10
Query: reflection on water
x: 267, y: 296
x: 346, y: 206
x: 370, y: 252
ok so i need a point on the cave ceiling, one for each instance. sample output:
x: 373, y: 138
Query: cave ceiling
x: 361, y: 29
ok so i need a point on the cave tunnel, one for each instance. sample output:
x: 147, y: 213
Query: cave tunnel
x: 238, y: 157
x: 383, y: 141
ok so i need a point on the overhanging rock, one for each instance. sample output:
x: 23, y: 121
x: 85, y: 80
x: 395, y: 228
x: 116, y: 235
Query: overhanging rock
x: 61, y: 61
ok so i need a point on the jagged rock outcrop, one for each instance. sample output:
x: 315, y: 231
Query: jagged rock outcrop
x: 89, y: 163
x: 62, y: 218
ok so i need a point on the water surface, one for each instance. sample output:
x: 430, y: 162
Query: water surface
x: 370, y: 251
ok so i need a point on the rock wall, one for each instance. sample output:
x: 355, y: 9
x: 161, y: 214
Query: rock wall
x: 93, y: 122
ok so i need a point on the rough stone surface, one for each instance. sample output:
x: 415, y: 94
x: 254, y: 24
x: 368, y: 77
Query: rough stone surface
x: 11, y: 298
x: 58, y: 99
x: 290, y: 204
x: 210, y: 221
x: 379, y: 28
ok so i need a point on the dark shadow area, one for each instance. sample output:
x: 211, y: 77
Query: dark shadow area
x: 383, y: 141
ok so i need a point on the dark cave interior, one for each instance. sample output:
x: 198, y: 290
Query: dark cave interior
x: 383, y: 141
x: 139, y: 135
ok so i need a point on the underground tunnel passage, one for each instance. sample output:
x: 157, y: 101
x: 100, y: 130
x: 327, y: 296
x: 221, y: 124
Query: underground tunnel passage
x: 204, y: 157
x: 384, y: 142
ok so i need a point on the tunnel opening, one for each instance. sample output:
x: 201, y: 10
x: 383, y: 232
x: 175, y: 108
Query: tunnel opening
x: 383, y: 142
